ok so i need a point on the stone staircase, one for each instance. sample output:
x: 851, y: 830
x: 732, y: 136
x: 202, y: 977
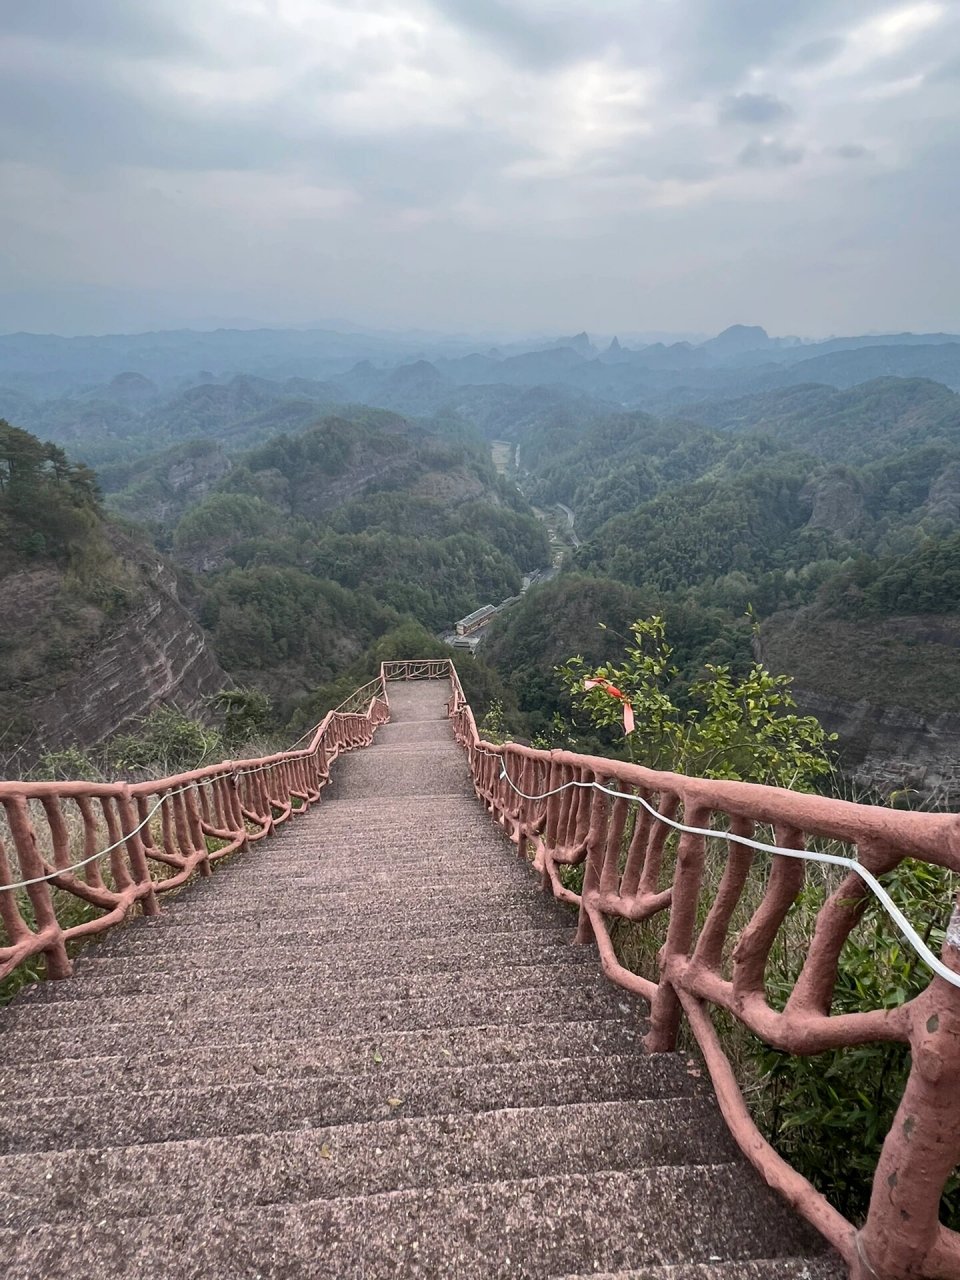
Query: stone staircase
x: 368, y: 1049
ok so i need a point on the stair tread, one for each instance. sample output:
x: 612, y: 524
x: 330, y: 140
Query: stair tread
x: 328, y: 1053
x: 828, y: 1267
x: 203, y: 999
x: 367, y: 1158
x: 465, y: 1008
x: 155, y: 1114
x: 524, y: 1228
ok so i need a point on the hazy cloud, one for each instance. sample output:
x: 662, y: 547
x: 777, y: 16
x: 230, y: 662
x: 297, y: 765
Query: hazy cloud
x: 753, y: 108
x: 851, y: 151
x: 769, y: 153
x: 817, y: 52
x: 447, y: 162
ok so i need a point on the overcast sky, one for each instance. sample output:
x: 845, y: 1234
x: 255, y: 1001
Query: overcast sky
x: 496, y: 165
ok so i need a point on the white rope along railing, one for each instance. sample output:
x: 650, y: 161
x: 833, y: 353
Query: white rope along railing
x: 169, y: 795
x: 910, y: 935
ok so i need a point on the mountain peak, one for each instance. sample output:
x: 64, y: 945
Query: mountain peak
x: 739, y: 337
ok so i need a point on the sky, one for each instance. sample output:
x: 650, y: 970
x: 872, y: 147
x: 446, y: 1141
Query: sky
x: 503, y: 166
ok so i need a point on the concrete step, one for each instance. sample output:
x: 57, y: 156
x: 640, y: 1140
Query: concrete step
x: 112, y: 954
x: 232, y: 936
x: 241, y: 1106
x: 261, y: 969
x: 336, y: 1053
x: 437, y: 770
x: 355, y: 1159
x: 431, y: 918
x: 487, y: 1008
x: 141, y: 945
x: 203, y: 999
x: 401, y: 733
x: 525, y: 1229
x: 828, y: 1267
x: 332, y: 909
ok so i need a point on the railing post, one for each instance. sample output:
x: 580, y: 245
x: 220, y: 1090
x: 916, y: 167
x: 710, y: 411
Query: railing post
x: 58, y: 963
x: 592, y: 868
x: 902, y: 1235
x: 129, y: 822
x: 665, y: 1011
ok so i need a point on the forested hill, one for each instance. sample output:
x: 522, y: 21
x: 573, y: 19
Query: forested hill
x: 865, y: 422
x: 295, y: 557
x: 314, y: 545
x: 832, y: 516
x: 113, y: 399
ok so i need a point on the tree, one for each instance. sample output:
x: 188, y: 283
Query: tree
x: 743, y: 728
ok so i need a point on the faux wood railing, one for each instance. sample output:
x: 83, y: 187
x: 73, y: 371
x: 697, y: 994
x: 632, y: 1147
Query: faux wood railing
x: 113, y: 847
x: 550, y: 806
x: 133, y: 842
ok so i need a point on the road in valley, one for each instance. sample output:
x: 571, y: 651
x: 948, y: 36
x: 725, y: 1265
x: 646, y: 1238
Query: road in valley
x: 570, y: 518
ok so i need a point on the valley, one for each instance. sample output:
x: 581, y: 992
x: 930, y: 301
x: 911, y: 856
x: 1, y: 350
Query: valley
x: 309, y: 505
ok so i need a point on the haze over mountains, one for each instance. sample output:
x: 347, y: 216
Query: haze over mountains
x: 139, y: 391
x: 315, y: 491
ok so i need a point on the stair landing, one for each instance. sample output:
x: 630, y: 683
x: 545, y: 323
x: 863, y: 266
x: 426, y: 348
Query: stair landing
x: 368, y: 1048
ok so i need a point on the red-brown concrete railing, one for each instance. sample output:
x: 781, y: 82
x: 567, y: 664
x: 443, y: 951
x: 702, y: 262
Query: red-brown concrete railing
x: 116, y: 846
x: 705, y: 963
x: 160, y: 832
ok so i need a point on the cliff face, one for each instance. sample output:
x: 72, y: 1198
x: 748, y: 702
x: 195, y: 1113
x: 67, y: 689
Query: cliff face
x: 890, y: 749
x: 75, y: 667
x: 887, y: 687
x: 157, y: 655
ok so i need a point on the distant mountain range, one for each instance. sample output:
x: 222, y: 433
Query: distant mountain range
x: 742, y: 358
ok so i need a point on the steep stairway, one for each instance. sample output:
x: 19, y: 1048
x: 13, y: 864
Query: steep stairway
x: 367, y: 1048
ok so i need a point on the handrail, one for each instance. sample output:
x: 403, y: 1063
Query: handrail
x: 159, y: 832
x: 562, y: 809
x: 909, y: 933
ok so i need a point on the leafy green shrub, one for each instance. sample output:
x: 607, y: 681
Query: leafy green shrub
x: 246, y: 713
x: 166, y: 741
x: 69, y: 765
x: 744, y: 728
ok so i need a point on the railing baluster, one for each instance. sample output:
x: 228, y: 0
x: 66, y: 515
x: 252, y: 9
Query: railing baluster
x: 709, y: 949
x: 666, y: 1010
x: 756, y: 941
x: 135, y: 852
x: 10, y: 916
x: 48, y: 929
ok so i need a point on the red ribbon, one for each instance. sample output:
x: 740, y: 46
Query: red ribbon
x: 629, y: 724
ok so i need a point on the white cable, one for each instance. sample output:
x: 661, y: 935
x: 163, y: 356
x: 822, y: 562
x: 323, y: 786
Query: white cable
x: 918, y: 945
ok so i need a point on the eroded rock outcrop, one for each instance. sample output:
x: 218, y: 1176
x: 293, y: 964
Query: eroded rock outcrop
x: 157, y: 655
x: 887, y: 687
x: 77, y: 667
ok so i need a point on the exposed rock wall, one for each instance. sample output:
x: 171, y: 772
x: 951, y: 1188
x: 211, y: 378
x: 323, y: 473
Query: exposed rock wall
x: 159, y: 655
x: 892, y: 749
x: 888, y: 687
x: 75, y: 685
